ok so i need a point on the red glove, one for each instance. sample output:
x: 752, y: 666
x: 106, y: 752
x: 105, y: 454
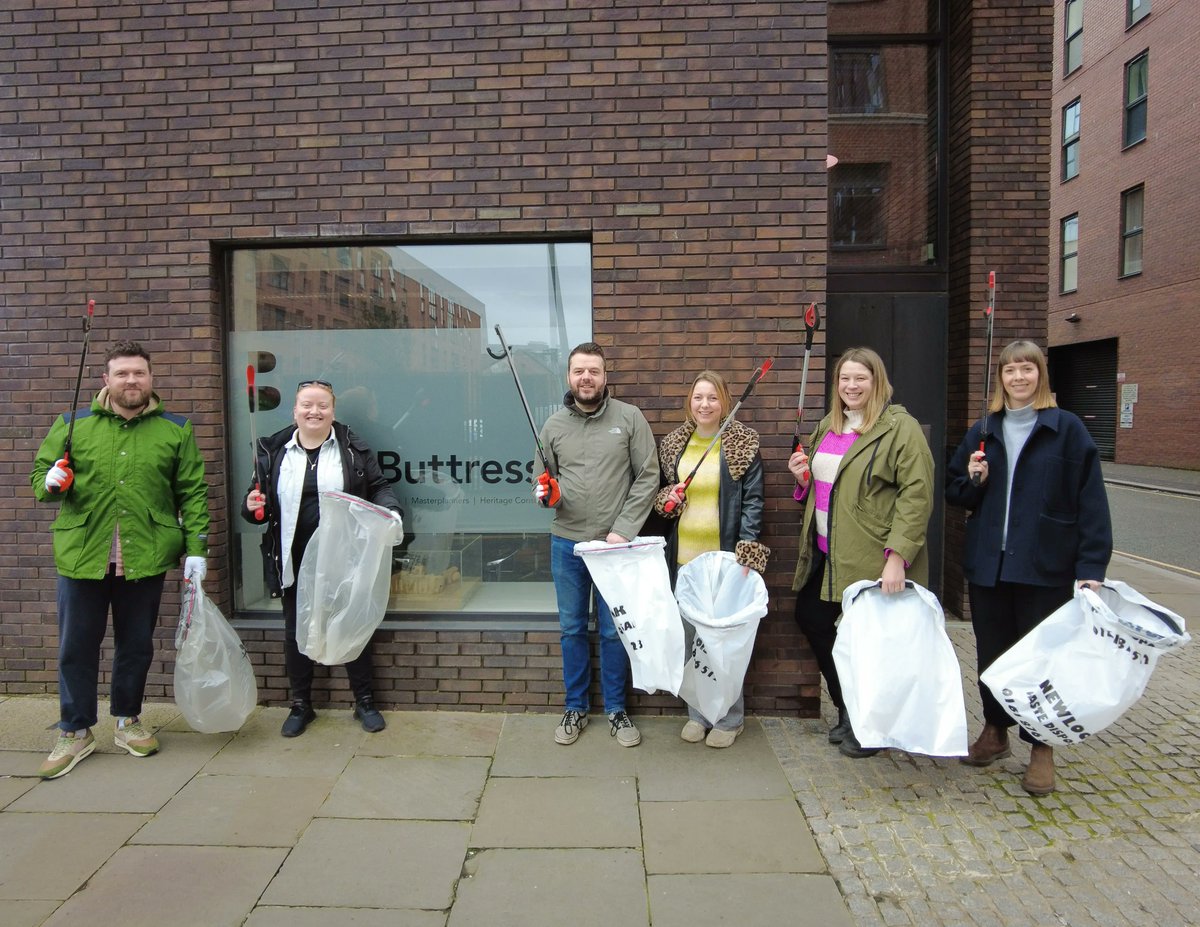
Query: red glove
x: 545, y: 490
x: 60, y: 477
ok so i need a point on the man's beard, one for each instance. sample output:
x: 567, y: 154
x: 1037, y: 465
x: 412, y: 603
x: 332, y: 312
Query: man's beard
x: 119, y: 398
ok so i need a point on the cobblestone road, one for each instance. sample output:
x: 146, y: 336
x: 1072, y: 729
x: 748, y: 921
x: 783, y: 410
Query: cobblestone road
x: 918, y: 841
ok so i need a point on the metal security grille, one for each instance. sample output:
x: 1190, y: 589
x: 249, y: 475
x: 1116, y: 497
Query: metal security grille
x: 1084, y: 378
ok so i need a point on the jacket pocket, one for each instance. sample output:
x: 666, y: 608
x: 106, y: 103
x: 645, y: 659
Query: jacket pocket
x: 167, y: 536
x: 1057, y: 545
x: 1061, y: 479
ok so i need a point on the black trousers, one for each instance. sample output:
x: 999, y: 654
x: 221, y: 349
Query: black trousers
x: 1001, y: 615
x: 818, y: 620
x: 300, y: 667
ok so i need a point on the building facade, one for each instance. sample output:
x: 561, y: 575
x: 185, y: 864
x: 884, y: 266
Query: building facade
x: 363, y: 192
x: 1124, y: 253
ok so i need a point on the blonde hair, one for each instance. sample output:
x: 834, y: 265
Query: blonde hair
x: 1019, y: 352
x: 719, y: 385
x: 881, y: 389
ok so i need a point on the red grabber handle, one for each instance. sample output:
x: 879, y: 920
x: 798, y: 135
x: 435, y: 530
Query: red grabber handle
x: 553, y: 494
x: 252, y: 395
x: 977, y: 478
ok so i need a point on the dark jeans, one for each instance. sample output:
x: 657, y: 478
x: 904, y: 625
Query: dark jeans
x: 300, y: 667
x: 818, y: 619
x: 1001, y: 615
x: 83, y: 606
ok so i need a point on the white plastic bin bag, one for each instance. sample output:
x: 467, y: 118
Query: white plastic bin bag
x: 724, y: 607
x: 634, y: 582
x: 899, y: 673
x: 343, y: 582
x: 214, y: 680
x: 1084, y: 666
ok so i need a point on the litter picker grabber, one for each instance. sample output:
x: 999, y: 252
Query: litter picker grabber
x: 252, y: 394
x: 812, y: 321
x: 87, y: 336
x: 758, y: 374
x: 547, y: 478
x: 990, y: 313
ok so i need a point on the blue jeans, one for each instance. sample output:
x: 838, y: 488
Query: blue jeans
x: 83, y: 606
x: 573, y: 586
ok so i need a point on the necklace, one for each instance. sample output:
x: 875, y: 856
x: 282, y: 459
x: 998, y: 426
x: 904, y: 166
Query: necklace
x: 313, y: 455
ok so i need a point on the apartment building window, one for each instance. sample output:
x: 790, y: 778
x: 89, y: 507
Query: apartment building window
x: 856, y: 81
x: 857, y: 196
x: 1070, y: 140
x: 1133, y: 204
x: 1137, y: 73
x: 1073, y: 43
x: 1136, y: 11
x: 1069, y: 262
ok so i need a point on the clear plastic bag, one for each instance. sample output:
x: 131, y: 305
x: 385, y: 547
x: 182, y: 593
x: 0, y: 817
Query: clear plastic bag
x: 899, y: 673
x: 215, y: 686
x: 724, y: 605
x: 633, y: 579
x: 342, y: 583
x: 1085, y: 665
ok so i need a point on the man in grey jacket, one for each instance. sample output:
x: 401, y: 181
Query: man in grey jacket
x: 603, y: 455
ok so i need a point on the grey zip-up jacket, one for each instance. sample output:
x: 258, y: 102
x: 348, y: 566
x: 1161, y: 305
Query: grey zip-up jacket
x: 606, y: 464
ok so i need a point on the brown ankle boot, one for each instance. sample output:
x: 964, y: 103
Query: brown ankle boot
x: 992, y: 745
x: 1039, y: 777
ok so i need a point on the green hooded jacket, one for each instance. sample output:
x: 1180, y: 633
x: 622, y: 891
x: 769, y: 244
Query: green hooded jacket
x: 145, y: 474
x: 882, y: 499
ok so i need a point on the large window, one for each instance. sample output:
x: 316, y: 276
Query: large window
x: 857, y: 207
x: 1070, y: 140
x: 403, y: 333
x: 1137, y: 75
x: 1133, y: 204
x: 856, y: 81
x: 1136, y: 11
x: 1073, y: 38
x: 1069, y: 249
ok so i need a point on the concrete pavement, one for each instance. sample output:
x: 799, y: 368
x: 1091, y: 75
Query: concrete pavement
x: 456, y: 820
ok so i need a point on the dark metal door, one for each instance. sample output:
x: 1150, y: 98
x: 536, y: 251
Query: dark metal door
x: 1084, y: 380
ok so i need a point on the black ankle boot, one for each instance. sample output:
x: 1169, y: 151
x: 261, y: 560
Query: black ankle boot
x: 301, y: 716
x: 366, y: 712
x: 852, y: 748
x: 838, y: 732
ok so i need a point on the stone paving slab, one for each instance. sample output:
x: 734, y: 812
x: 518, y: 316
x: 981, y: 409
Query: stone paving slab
x: 258, y: 749
x: 372, y: 864
x: 527, y: 748
x: 172, y: 887
x: 575, y: 812
x: 29, y: 722
x: 728, y: 836
x: 42, y: 857
x: 432, y: 733
x: 747, y: 900
x: 237, y: 811
x: 424, y: 788
x: 121, y: 782
x: 552, y: 888
x: 343, y: 917
x: 12, y: 788
x: 27, y: 913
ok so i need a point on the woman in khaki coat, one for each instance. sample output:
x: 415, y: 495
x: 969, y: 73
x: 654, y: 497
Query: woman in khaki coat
x: 868, y: 494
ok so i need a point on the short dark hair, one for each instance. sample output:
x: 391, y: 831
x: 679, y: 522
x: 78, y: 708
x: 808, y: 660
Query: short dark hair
x: 588, y: 347
x: 126, y: 349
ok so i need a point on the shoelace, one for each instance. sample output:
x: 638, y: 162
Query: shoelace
x: 619, y: 720
x: 570, y: 720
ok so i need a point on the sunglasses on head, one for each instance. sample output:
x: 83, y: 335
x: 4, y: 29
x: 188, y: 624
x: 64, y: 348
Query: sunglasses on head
x: 324, y: 384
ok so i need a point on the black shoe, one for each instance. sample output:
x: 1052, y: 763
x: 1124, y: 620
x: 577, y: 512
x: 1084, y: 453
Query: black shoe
x: 838, y: 732
x: 302, y: 715
x: 852, y: 748
x: 366, y: 712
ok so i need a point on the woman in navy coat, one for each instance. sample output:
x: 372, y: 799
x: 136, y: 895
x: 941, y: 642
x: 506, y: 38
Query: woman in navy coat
x: 1038, y: 524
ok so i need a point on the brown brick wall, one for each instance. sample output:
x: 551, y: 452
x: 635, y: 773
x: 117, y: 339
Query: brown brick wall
x: 687, y: 140
x: 999, y: 133
x: 1149, y: 312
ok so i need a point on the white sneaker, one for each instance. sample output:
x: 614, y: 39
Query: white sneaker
x: 722, y: 739
x: 623, y: 729
x: 131, y: 736
x: 68, y: 751
x: 569, y: 727
x: 693, y: 732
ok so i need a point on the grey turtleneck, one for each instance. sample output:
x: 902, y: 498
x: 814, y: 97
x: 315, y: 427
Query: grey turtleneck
x: 1018, y: 426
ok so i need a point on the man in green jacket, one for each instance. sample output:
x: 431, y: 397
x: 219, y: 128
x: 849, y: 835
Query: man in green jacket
x: 133, y: 499
x: 605, y: 462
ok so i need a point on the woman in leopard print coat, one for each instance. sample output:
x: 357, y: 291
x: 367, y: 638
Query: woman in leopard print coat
x: 722, y: 509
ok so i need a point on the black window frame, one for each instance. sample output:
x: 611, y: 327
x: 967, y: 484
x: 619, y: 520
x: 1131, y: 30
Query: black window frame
x: 1063, y: 256
x: 1070, y: 143
x: 1072, y: 41
x: 1130, y: 234
x: 1132, y: 16
x: 1137, y: 108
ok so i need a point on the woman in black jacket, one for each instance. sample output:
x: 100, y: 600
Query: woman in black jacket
x: 1038, y: 524
x: 296, y: 464
x: 722, y: 509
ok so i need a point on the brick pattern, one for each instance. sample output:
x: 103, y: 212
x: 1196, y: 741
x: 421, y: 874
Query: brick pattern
x: 1147, y: 312
x: 999, y: 132
x: 686, y: 140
